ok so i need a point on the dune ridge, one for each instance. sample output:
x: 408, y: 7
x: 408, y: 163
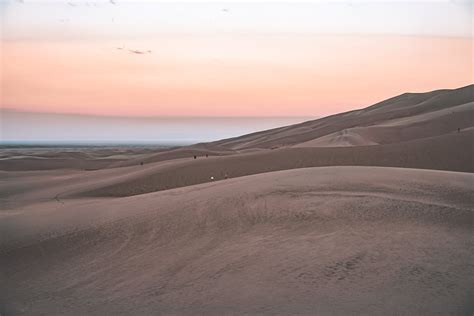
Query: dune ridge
x: 403, y: 106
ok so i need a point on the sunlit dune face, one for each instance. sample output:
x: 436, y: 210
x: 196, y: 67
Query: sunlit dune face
x: 227, y: 74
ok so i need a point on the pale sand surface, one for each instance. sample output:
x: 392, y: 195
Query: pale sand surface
x: 453, y: 152
x: 429, y: 114
x: 335, y: 240
x: 402, y: 129
x: 448, y: 152
x: 21, y: 158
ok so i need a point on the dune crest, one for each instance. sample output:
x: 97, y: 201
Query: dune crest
x: 432, y: 114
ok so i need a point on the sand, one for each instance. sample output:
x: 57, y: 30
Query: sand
x: 335, y: 240
x: 452, y: 152
x: 79, y: 157
x: 365, y: 212
x: 444, y: 111
x: 448, y: 152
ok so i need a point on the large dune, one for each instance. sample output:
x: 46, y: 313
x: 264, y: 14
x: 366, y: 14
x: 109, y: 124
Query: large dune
x: 398, y: 130
x: 337, y: 240
x: 410, y: 116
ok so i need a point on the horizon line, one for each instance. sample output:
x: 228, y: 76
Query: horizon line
x: 8, y: 109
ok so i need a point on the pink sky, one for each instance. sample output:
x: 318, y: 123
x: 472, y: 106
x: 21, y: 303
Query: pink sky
x: 231, y: 73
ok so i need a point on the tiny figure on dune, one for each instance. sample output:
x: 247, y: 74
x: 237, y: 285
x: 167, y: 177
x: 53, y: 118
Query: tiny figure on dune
x: 207, y: 155
x: 195, y: 157
x: 141, y: 163
x: 459, y: 130
x: 212, y: 178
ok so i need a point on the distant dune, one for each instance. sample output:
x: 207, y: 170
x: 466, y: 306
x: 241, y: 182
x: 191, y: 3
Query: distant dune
x: 406, y: 117
x: 448, y: 152
x: 365, y: 212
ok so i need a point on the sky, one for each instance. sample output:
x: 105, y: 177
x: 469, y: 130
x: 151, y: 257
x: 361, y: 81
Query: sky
x: 228, y: 59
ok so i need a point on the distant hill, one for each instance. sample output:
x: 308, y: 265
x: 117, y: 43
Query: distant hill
x: 402, y: 118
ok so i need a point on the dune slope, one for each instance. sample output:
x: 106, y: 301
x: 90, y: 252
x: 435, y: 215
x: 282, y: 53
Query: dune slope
x: 447, y: 152
x: 454, y: 105
x: 334, y: 240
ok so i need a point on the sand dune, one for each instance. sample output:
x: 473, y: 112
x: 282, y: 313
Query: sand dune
x: 401, y: 129
x: 145, y: 230
x: 79, y: 157
x: 335, y: 240
x: 448, y: 152
x: 185, y: 152
x: 408, y: 105
x: 357, y: 136
x: 452, y: 152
